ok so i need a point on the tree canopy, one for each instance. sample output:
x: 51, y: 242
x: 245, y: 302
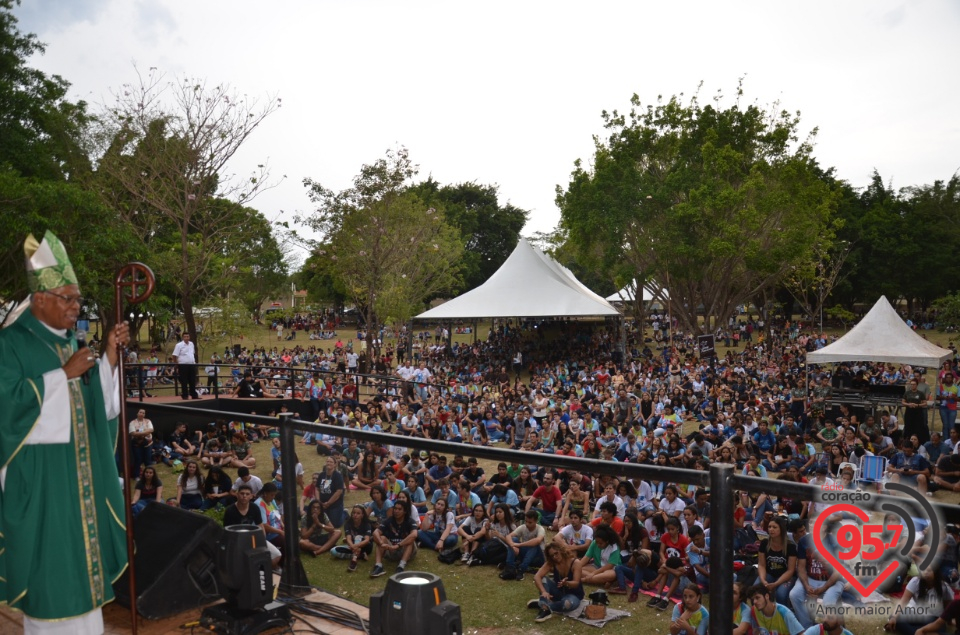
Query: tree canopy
x: 713, y: 203
x: 387, y: 249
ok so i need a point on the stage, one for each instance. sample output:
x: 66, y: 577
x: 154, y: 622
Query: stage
x: 116, y: 620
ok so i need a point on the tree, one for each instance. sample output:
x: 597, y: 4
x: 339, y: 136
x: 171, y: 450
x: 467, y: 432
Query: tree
x: 40, y: 130
x: 388, y: 250
x: 166, y: 147
x: 490, y: 231
x: 715, y: 205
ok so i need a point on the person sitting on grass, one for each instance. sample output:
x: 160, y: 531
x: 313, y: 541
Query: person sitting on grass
x: 368, y: 472
x: 358, y: 536
x: 415, y: 492
x: 673, y: 549
x: 473, y: 532
x: 602, y: 557
x: 548, y: 496
x: 575, y: 536
x: 378, y: 507
x: 439, y: 528
x: 698, y: 555
x: 317, y: 533
x: 642, y: 567
x: 395, y: 539
x: 608, y: 516
x: 834, y: 625
x: 766, y: 616
x: 558, y: 581
x: 689, y: 617
x: 526, y: 543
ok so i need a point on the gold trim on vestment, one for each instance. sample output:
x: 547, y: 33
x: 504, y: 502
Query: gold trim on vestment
x: 27, y: 436
x: 18, y: 598
x: 119, y: 575
x: 114, y: 514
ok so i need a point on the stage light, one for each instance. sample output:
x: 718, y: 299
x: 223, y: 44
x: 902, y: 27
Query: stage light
x: 414, y: 603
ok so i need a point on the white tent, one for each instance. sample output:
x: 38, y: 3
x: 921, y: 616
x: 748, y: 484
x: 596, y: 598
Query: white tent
x: 626, y: 294
x: 528, y: 284
x: 882, y: 336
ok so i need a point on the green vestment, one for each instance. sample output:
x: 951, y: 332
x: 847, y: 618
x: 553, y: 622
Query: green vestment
x: 62, y: 537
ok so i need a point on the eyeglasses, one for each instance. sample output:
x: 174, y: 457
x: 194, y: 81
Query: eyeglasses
x: 69, y: 299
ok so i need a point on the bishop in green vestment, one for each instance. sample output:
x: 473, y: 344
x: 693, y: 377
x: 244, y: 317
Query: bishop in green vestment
x: 62, y: 535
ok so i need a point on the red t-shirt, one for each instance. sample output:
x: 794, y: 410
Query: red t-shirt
x: 548, y: 497
x: 616, y: 525
x: 678, y: 548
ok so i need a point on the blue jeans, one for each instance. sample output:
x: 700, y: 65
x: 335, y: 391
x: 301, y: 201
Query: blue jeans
x: 804, y: 604
x: 561, y: 601
x: 782, y: 592
x: 429, y: 539
x: 496, y: 435
x: 948, y: 418
x: 530, y: 558
x: 636, y: 574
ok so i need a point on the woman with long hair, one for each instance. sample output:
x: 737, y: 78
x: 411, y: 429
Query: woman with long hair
x: 473, y: 532
x: 358, y: 536
x: 689, y: 617
x: 190, y: 486
x: 777, y: 561
x: 148, y: 488
x: 602, y: 556
x: 524, y: 485
x: 368, y: 472
x: 558, y: 581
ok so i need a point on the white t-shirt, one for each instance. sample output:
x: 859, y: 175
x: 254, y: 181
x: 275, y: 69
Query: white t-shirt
x: 621, y: 508
x: 577, y: 537
x: 185, y: 352
x: 676, y: 506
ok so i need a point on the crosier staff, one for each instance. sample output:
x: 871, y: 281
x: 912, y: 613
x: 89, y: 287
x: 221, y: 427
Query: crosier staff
x: 138, y: 281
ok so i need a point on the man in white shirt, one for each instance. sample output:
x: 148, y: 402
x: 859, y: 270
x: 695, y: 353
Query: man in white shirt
x: 244, y: 477
x: 185, y: 356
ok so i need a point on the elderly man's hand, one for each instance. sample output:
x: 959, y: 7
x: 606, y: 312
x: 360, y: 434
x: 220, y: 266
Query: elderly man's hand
x: 118, y: 334
x: 79, y: 363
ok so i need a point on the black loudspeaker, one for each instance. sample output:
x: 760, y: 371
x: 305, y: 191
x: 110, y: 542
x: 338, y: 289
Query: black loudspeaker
x: 236, y: 350
x: 414, y: 603
x: 175, y: 561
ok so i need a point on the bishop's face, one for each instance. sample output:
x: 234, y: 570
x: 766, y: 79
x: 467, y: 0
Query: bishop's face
x: 57, y: 308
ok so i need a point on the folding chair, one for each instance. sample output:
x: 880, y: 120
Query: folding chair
x: 873, y: 469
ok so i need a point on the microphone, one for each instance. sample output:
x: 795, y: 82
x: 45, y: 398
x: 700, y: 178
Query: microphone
x: 82, y: 343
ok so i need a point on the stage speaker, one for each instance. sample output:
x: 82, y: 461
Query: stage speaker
x: 175, y: 561
x: 237, y: 349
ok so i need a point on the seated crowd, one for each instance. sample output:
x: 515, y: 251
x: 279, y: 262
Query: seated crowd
x: 760, y: 410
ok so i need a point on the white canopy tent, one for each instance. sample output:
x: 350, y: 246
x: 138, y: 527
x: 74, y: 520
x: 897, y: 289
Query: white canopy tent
x: 529, y: 284
x: 628, y: 293
x: 882, y: 336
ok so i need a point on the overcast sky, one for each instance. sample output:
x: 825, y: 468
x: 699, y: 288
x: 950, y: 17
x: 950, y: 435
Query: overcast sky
x: 510, y: 93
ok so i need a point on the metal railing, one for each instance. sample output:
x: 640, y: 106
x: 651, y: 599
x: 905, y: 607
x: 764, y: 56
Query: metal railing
x: 137, y: 379
x: 721, y: 479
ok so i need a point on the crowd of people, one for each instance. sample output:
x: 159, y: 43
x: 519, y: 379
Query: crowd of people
x: 564, y: 388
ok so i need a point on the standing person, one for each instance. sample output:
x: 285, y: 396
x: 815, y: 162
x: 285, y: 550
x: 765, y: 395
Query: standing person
x: 58, y: 431
x: 947, y: 399
x: 185, y: 356
x: 915, y: 413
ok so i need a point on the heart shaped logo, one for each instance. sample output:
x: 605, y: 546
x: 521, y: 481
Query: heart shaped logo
x: 841, y: 568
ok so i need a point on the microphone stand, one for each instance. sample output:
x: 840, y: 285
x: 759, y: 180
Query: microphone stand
x: 128, y: 277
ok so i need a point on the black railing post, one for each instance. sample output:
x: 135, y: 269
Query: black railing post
x: 293, y: 574
x: 721, y: 554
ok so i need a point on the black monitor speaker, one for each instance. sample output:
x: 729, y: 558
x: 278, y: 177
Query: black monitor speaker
x: 175, y: 562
